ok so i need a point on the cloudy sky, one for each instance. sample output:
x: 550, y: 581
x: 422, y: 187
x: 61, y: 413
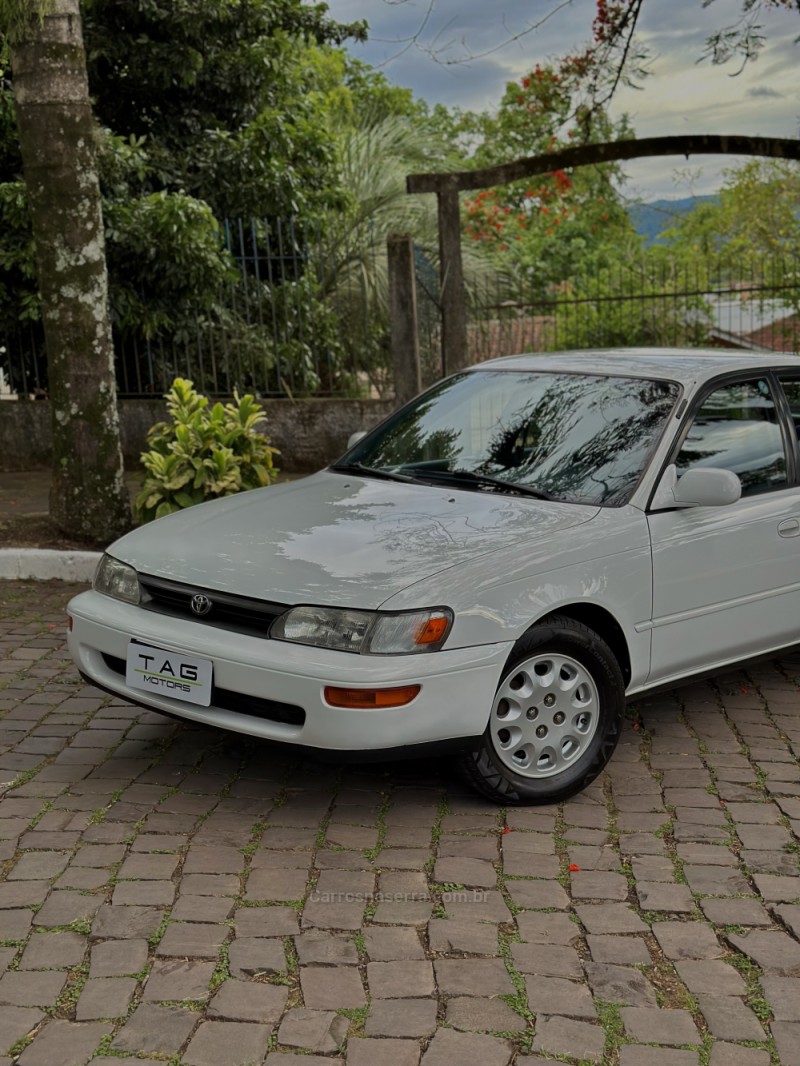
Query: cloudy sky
x: 462, y: 52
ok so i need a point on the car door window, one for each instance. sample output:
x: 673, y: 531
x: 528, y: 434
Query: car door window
x: 737, y: 428
x: 791, y: 387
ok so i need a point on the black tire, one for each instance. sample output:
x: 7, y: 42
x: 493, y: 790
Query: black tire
x: 547, y: 776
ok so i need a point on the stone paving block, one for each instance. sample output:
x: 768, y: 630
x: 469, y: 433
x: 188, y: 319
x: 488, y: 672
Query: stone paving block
x: 400, y: 913
x: 265, y: 921
x: 706, y: 854
x: 248, y: 1001
x: 780, y: 863
x: 38, y: 864
x: 598, y: 885
x: 125, y: 923
x: 319, y: 946
x: 15, y: 924
x: 412, y: 1018
x: 788, y: 913
x: 649, y: 868
x: 636, y: 1055
x: 143, y: 894
x: 557, y: 995
x: 656, y: 1026
x: 53, y: 951
x: 450, y: 1048
x: 460, y: 935
x: 664, y: 898
x: 62, y: 908
x: 171, y: 979
x: 460, y: 847
x: 468, y: 977
x: 210, y: 885
x: 610, y: 918
x: 712, y: 977
x: 716, y: 881
x: 775, y: 952
x: 403, y: 979
x: 479, y: 905
x: 332, y: 987
x: 376, y: 1052
x: 84, y: 879
x: 556, y: 960
x: 31, y: 989
x: 312, y: 1030
x: 735, y: 912
x: 783, y: 996
x: 787, y: 1040
x: 619, y: 984
x: 193, y: 940
x: 118, y: 958
x: 145, y: 867
x: 465, y: 871
x: 22, y: 893
x: 276, y: 884
x: 299, y: 1058
x: 777, y: 889
x: 214, y: 909
x: 483, y: 1015
x: 727, y: 1017
x: 213, y: 859
x: 548, y: 928
x: 724, y: 1054
x: 105, y: 997
x: 255, y: 956
x: 17, y: 1022
x: 754, y: 813
x: 394, y: 944
x: 227, y: 1044
x: 566, y: 1036
x: 63, y: 1043
x: 687, y: 940
x: 99, y: 855
x: 538, y: 895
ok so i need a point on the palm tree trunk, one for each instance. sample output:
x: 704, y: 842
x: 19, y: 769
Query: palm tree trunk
x: 57, y: 138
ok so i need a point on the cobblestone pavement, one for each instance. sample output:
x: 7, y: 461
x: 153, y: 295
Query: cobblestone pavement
x: 184, y: 895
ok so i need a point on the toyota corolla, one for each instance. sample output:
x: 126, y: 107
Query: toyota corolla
x: 495, y: 569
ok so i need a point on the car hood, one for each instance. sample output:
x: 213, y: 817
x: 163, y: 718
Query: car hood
x: 337, y: 539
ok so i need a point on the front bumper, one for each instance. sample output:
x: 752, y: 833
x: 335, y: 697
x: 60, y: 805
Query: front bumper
x: 458, y: 686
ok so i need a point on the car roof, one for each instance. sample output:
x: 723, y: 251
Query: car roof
x: 678, y: 364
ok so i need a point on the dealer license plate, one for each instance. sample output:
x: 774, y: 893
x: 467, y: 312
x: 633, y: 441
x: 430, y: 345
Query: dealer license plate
x: 165, y: 673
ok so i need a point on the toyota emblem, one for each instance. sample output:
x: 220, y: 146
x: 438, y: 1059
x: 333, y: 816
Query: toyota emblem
x: 200, y: 604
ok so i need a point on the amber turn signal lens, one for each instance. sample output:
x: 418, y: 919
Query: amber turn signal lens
x: 432, y: 631
x: 371, y: 698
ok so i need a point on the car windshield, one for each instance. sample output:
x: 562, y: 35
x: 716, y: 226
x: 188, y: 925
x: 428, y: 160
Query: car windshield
x: 579, y: 438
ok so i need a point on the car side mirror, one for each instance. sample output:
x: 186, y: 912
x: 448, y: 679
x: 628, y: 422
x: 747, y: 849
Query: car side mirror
x: 704, y: 486
x: 354, y: 438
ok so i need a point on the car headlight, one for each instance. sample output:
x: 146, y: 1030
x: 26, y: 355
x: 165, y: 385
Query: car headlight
x: 116, y: 579
x: 365, y: 632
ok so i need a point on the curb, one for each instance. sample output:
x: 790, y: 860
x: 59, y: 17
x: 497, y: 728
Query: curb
x: 38, y: 564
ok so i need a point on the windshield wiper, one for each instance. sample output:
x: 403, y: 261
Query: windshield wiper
x: 484, y: 481
x: 359, y: 468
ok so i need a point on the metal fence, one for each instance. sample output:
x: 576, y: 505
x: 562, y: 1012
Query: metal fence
x: 302, y: 315
x: 652, y: 302
x: 306, y: 314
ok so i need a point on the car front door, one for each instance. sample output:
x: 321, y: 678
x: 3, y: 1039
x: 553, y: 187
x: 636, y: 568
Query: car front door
x: 726, y: 581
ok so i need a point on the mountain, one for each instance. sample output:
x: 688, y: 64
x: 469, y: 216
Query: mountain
x: 652, y: 219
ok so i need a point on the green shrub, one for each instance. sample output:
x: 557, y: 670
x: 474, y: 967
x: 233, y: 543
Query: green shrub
x: 204, y: 452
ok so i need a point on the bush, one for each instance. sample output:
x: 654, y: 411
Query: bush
x: 203, y: 453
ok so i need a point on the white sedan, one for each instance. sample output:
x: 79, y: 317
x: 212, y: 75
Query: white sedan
x: 495, y: 567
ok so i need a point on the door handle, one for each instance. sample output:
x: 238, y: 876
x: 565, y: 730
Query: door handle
x: 790, y: 527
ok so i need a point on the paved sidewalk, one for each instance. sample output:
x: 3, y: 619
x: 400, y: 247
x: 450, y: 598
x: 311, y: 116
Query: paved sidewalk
x: 176, y: 893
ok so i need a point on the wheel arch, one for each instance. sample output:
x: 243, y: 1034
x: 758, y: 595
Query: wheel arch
x: 604, y: 624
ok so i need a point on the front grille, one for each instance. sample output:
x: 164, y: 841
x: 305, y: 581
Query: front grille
x: 241, y: 614
x: 254, y: 706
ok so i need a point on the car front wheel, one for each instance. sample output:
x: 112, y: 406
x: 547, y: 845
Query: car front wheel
x: 555, y: 719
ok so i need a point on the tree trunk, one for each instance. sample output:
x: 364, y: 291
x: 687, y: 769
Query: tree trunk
x: 88, y: 497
